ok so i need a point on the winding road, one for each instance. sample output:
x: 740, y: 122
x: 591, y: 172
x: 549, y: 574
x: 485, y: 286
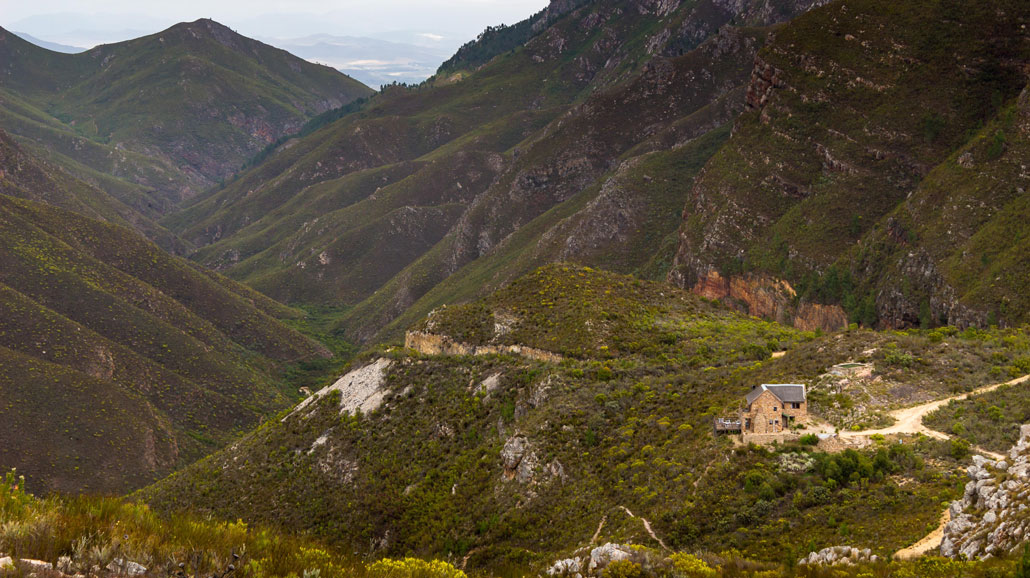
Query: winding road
x: 909, y: 420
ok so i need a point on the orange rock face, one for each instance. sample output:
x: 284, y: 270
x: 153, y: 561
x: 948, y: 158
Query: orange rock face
x: 770, y: 298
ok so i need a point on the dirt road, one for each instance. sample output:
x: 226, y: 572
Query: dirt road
x: 910, y: 419
x: 931, y: 541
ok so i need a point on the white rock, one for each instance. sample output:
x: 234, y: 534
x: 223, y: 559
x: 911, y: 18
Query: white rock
x: 601, y: 556
x: 564, y: 567
x: 29, y: 566
x: 360, y: 389
x: 122, y: 568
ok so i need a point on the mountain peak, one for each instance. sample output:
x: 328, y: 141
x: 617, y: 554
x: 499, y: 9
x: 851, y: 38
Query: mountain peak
x: 208, y: 28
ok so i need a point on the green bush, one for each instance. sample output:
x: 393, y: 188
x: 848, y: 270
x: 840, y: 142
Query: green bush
x: 624, y: 569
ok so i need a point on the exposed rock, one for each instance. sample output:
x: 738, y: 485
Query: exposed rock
x: 432, y: 344
x: 489, y: 385
x: 519, y: 459
x: 361, y: 389
x: 7, y: 564
x: 992, y: 517
x: 120, y: 567
x: 764, y: 296
x: 28, y: 566
x: 602, y: 556
x: 566, y: 567
x: 834, y: 555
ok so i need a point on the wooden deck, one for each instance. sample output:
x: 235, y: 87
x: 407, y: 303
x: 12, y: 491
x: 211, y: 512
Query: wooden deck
x: 726, y: 425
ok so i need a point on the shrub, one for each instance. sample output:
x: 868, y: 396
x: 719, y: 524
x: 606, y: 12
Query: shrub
x: 959, y: 449
x: 416, y: 568
x: 691, y: 566
x: 809, y: 440
x: 624, y: 569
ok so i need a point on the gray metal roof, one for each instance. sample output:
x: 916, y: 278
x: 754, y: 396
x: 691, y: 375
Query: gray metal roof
x: 786, y: 392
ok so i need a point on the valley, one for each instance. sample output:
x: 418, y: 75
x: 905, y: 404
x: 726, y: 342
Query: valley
x: 627, y: 289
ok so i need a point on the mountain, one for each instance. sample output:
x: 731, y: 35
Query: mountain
x: 875, y: 170
x: 54, y: 46
x: 376, y: 209
x: 583, y: 129
x: 168, y: 115
x: 137, y: 362
x: 574, y: 407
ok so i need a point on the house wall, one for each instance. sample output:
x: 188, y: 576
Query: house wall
x: 762, y: 413
x: 767, y: 407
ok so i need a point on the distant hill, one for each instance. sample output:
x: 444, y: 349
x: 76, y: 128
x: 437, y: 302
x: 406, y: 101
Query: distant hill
x: 169, y: 114
x: 371, y: 61
x: 56, y: 47
x: 136, y: 361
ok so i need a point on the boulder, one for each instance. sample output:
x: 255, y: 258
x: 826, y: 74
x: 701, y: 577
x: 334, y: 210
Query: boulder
x: 602, y: 556
x: 29, y: 566
x: 566, y: 567
x: 120, y: 567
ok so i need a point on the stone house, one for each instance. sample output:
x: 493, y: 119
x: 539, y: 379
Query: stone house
x: 774, y: 408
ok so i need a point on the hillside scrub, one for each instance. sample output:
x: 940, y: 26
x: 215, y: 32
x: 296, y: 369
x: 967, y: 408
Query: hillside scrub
x: 473, y: 455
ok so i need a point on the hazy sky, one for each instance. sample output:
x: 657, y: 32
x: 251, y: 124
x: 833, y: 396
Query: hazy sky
x: 270, y: 18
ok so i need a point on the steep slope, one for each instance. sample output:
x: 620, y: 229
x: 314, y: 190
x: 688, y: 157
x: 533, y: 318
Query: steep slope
x: 135, y: 361
x: 194, y: 102
x: 381, y: 206
x: 515, y: 455
x: 27, y: 176
x: 851, y: 108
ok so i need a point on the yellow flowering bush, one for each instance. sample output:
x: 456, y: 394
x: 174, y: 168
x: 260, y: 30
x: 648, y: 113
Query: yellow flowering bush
x: 691, y: 566
x: 413, y: 568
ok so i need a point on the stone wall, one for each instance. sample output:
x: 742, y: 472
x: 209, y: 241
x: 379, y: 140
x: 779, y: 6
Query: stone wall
x: 763, y: 439
x: 435, y: 344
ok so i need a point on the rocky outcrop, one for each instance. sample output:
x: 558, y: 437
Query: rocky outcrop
x: 361, y: 389
x: 764, y: 79
x: 519, y: 459
x: 839, y: 555
x: 771, y: 298
x: 993, y: 516
x: 594, y: 562
x: 434, y: 344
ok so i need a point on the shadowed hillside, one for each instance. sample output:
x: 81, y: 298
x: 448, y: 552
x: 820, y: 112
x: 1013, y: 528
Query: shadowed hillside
x: 135, y: 361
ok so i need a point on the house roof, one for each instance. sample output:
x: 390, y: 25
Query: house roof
x: 786, y: 392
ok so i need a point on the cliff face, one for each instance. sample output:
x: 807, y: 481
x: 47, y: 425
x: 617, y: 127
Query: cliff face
x: 771, y: 298
x: 851, y: 110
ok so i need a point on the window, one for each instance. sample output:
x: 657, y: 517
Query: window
x: 795, y: 405
x: 770, y: 422
x: 775, y: 408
